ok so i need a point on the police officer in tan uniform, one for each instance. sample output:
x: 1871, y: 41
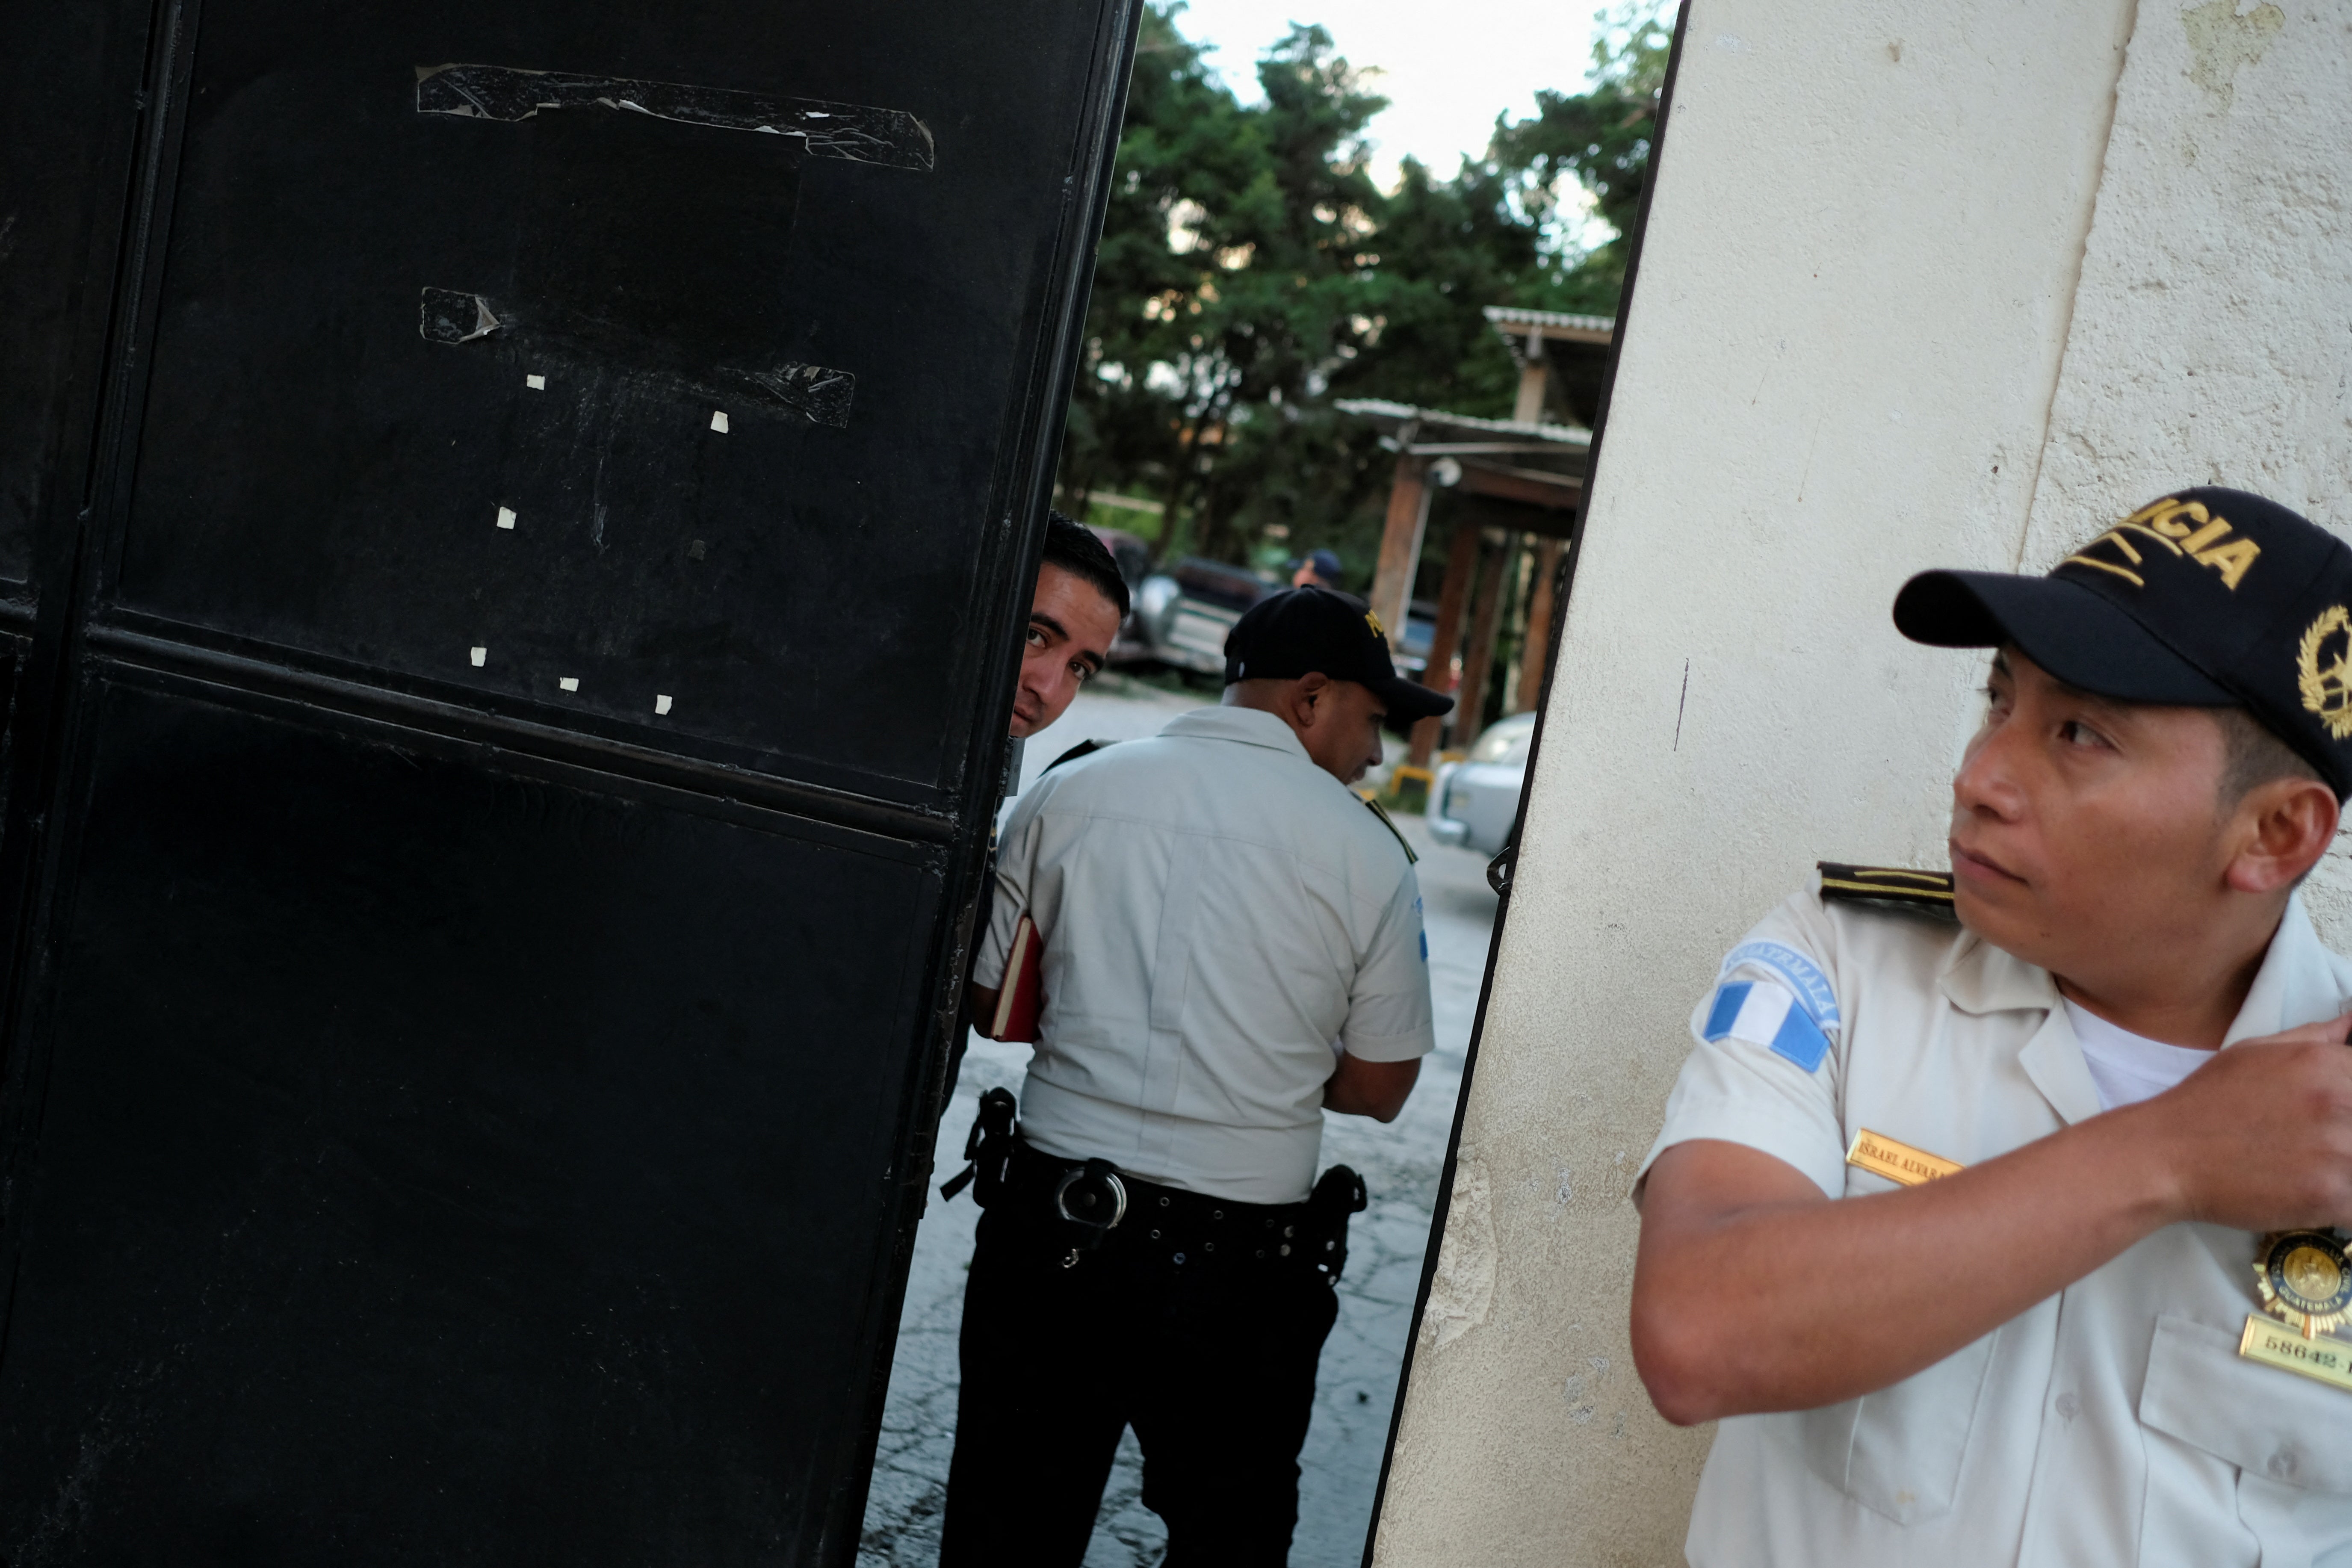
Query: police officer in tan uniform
x: 1232, y: 947
x: 2015, y: 1240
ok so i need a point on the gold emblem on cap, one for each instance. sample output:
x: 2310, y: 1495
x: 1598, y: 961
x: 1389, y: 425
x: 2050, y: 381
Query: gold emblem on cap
x: 2328, y: 687
x: 1373, y: 621
x: 2305, y: 1279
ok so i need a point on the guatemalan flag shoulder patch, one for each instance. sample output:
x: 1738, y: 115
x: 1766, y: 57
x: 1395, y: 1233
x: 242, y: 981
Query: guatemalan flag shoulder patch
x: 1790, y: 1012
x: 1765, y: 1013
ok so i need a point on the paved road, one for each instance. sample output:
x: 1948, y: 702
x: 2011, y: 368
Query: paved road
x: 1357, y: 1389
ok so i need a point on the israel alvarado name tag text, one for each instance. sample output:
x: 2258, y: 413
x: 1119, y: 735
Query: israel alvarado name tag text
x: 1883, y: 1156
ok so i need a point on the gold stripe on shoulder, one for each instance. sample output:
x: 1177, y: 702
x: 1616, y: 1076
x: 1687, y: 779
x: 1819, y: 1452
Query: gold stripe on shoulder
x: 1891, y: 887
x: 1880, y: 891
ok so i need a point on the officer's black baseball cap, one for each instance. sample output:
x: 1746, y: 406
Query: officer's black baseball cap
x: 1319, y: 631
x: 2207, y: 598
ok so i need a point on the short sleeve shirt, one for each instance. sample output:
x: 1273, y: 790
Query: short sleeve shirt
x: 2113, y: 1424
x: 1217, y: 914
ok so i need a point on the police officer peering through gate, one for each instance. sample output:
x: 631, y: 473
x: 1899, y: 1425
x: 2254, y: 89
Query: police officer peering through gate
x: 1231, y: 945
x: 1074, y: 614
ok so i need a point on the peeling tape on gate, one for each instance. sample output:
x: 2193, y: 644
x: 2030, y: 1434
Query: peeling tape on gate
x: 450, y: 316
x: 818, y: 394
x: 858, y: 132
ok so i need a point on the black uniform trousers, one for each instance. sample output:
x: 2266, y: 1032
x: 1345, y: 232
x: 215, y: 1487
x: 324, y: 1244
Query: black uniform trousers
x: 1211, y: 1359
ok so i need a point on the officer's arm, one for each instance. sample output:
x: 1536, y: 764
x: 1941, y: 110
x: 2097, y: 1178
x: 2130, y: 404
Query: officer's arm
x: 1377, y: 1090
x: 1752, y: 1292
x: 983, y: 1005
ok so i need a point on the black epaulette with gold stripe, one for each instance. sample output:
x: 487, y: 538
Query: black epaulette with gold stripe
x: 1083, y: 749
x: 1889, y: 887
x: 1389, y: 823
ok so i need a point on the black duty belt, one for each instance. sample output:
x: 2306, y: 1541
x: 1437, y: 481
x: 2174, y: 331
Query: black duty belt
x: 1102, y: 1206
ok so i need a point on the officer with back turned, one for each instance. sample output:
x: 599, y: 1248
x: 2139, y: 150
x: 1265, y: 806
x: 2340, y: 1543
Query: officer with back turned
x: 1232, y: 946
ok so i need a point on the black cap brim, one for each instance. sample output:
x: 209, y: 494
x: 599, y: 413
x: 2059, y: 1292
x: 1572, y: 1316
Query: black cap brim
x: 2071, y: 632
x: 1409, y: 701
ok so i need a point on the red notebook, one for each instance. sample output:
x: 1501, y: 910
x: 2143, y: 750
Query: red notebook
x: 1021, y: 1000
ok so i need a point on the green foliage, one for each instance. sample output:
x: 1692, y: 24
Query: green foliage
x: 1599, y: 139
x: 1251, y: 273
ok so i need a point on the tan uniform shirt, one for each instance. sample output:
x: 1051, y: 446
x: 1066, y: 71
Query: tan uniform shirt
x: 1217, y: 913
x: 2112, y: 1424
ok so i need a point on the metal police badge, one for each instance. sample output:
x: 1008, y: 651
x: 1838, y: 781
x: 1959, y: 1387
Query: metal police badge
x: 2305, y: 1278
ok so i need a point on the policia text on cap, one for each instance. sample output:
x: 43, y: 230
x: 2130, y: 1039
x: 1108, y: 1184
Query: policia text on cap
x: 1980, y: 1247
x: 1232, y: 946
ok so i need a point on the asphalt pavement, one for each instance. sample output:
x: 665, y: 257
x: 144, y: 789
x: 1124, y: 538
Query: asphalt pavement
x: 1355, y: 1389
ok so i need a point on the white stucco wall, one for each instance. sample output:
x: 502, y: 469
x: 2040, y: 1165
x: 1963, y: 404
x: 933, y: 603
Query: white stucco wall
x: 1838, y: 369
x: 2212, y: 331
x: 1904, y: 301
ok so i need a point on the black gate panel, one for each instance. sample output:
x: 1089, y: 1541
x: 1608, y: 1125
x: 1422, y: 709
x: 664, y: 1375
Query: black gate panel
x: 416, y: 1149
x: 459, y: 295
x: 523, y: 513
x: 70, y: 87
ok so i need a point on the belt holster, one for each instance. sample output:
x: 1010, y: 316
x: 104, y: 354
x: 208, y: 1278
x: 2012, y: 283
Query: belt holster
x: 1337, y: 1194
x: 987, y: 1150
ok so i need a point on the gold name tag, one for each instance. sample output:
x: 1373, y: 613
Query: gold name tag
x: 2272, y: 1343
x: 1883, y: 1156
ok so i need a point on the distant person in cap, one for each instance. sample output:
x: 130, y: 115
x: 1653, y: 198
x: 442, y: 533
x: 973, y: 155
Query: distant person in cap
x: 1232, y: 946
x: 1320, y: 570
x: 1074, y: 614
x: 1998, y: 1215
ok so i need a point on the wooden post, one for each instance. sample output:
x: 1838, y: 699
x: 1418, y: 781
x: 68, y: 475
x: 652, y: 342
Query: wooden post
x: 1478, y: 656
x: 1461, y: 565
x: 1530, y: 408
x: 1537, y: 644
x: 1401, y: 544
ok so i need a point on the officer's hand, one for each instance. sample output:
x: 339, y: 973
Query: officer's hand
x: 2260, y: 1138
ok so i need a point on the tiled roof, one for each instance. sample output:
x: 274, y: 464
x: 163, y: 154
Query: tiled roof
x: 1561, y: 320
x: 1432, y: 422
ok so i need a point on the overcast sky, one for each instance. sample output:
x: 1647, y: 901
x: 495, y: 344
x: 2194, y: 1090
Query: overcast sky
x: 1447, y: 70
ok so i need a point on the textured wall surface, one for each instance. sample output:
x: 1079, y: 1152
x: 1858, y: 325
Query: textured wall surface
x: 1838, y: 369
x: 2212, y: 331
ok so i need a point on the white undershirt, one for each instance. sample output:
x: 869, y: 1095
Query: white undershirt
x: 2129, y: 1067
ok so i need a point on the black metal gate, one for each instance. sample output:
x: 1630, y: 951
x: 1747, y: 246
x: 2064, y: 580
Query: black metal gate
x: 512, y: 541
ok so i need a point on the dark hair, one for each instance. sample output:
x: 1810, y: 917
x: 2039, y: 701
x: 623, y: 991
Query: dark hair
x: 2253, y: 755
x: 1074, y: 548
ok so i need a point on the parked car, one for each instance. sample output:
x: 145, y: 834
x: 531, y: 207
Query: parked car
x: 1129, y: 554
x: 1411, y: 651
x: 1473, y: 802
x: 1181, y: 615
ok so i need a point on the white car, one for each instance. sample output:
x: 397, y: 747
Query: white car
x: 1473, y: 802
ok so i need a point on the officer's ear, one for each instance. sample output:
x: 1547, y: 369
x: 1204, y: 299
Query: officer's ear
x: 2283, y: 826
x: 1313, y: 686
